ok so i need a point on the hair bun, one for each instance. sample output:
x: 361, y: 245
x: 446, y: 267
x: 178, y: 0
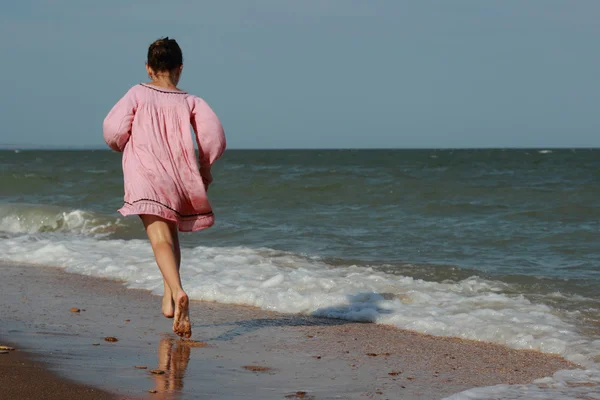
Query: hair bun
x: 164, y: 55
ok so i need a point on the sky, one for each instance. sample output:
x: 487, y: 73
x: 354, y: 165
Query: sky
x: 314, y: 73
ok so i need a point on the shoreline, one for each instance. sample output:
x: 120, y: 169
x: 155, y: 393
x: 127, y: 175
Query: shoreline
x: 285, y: 354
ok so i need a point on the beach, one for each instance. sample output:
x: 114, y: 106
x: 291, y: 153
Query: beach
x: 236, y: 351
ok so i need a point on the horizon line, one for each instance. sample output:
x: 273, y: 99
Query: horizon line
x: 104, y: 148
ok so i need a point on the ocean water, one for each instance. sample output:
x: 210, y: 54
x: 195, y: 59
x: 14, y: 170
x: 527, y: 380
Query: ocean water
x: 494, y: 245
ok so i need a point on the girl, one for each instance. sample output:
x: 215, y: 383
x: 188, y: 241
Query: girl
x: 165, y: 184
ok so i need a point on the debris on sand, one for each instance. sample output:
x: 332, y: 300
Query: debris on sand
x: 256, y: 368
x: 299, y: 395
x: 111, y: 339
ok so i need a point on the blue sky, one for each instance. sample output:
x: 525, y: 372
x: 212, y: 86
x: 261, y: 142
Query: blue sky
x: 314, y: 73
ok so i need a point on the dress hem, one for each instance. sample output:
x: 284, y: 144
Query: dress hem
x: 184, y: 223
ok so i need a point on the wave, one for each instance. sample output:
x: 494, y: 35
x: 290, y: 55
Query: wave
x: 472, y: 308
x: 19, y: 218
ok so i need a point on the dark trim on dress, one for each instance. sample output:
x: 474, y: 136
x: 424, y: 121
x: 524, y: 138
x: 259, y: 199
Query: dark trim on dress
x: 162, y: 91
x: 175, y: 211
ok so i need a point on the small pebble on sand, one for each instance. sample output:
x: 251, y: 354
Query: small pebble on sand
x: 157, y: 371
x: 75, y: 309
x: 111, y: 339
x: 141, y: 367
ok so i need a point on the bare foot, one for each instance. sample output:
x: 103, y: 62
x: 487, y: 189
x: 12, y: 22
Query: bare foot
x: 181, y: 322
x: 168, y: 306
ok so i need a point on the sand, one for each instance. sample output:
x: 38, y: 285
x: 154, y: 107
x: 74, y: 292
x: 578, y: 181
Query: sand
x: 237, y: 352
x: 23, y: 379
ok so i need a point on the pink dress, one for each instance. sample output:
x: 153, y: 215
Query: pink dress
x: 162, y: 174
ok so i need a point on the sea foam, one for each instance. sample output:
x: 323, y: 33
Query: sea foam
x: 473, y: 308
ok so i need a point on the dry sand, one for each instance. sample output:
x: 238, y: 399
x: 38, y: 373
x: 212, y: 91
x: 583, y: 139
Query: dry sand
x: 239, y: 352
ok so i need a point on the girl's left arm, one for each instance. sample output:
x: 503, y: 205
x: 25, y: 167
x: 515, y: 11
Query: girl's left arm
x: 210, y: 136
x: 118, y: 122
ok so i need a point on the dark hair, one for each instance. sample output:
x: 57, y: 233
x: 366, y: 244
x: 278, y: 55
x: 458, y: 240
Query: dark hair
x: 164, y: 55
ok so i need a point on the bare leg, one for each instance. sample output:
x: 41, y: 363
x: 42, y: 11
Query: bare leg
x: 160, y: 232
x: 168, y: 305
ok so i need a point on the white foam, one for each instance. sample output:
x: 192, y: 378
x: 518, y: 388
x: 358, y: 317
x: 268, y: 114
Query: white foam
x: 473, y: 308
x: 563, y: 385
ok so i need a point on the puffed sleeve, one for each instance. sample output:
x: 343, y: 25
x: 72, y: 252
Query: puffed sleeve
x: 209, y: 132
x: 117, y: 124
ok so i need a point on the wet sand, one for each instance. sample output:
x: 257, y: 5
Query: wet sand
x: 23, y: 379
x: 237, y: 352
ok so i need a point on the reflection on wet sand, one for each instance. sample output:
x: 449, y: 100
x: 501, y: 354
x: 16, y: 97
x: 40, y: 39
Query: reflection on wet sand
x: 173, y: 359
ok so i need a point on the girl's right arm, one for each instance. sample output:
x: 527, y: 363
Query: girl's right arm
x: 118, y: 122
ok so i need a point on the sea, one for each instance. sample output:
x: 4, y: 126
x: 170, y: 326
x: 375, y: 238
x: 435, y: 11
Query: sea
x: 496, y: 245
